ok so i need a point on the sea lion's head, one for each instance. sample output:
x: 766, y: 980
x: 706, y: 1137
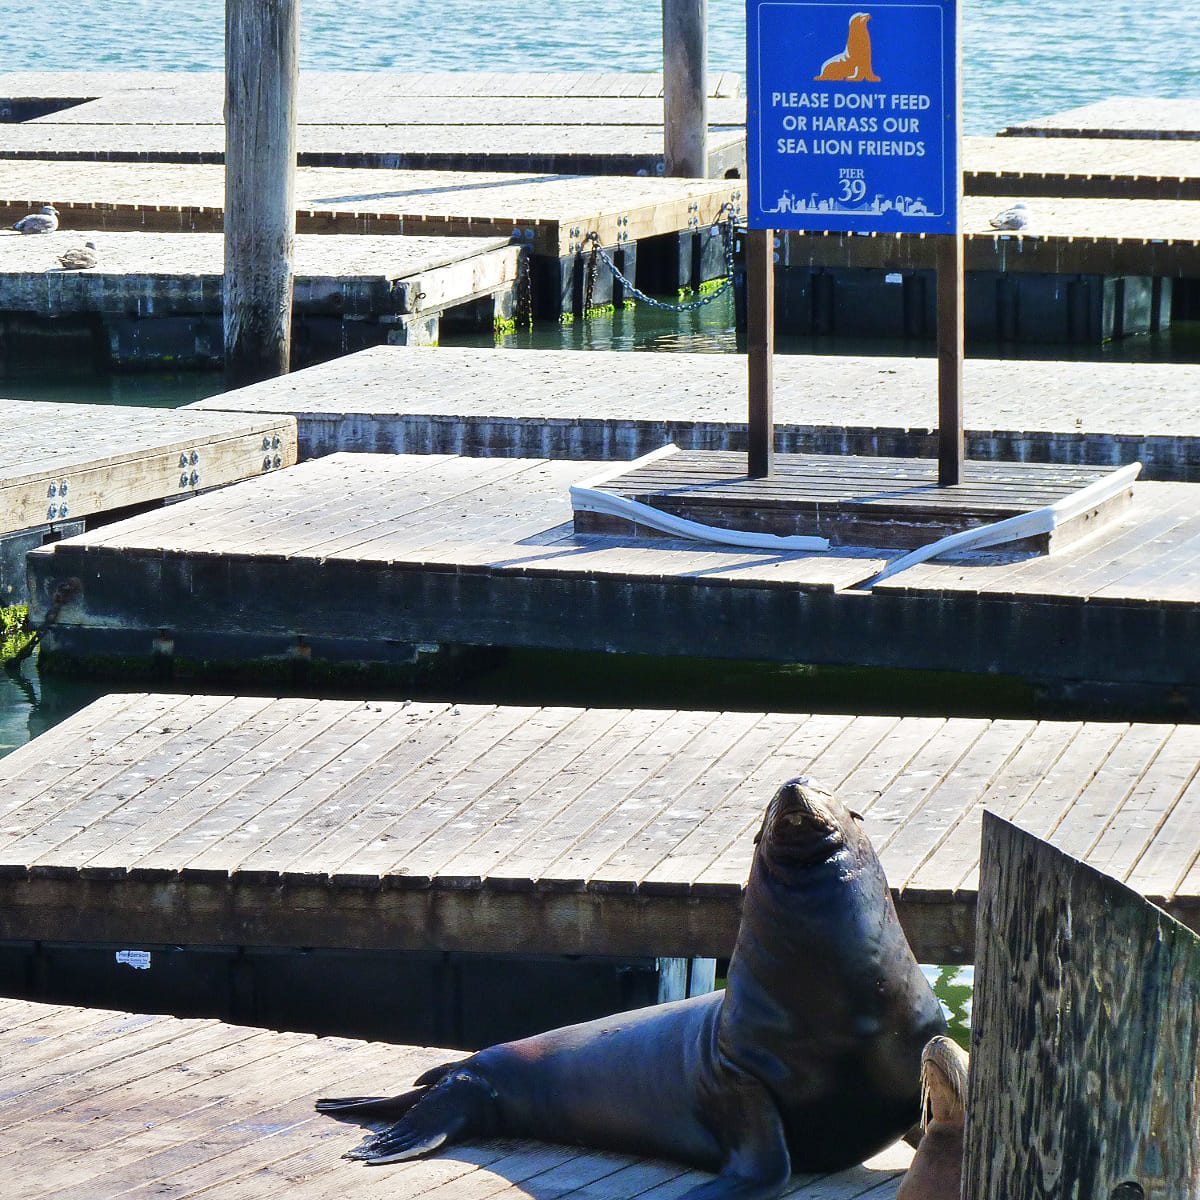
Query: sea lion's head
x: 806, y: 825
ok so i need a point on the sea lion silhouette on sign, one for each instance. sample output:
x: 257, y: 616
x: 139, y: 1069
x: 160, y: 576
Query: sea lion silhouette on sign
x: 853, y: 65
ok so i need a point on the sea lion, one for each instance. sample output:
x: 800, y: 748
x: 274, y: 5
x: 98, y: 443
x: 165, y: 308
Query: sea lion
x: 807, y: 1061
x: 936, y: 1171
x: 853, y: 65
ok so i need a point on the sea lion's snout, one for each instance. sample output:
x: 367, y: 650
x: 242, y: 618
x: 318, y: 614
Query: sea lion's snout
x: 804, y: 817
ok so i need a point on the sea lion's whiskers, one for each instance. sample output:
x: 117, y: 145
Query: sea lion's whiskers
x: 943, y: 1081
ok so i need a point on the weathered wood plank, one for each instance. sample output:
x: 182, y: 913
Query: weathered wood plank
x: 316, y: 86
x: 553, y: 404
x: 66, y: 462
x: 1123, y: 117
x: 1089, y: 235
x: 147, y: 1106
x: 539, y: 830
x: 476, y: 569
x: 1085, y: 1044
x: 541, y: 210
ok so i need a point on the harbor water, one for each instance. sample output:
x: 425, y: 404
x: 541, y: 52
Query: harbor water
x: 1024, y: 58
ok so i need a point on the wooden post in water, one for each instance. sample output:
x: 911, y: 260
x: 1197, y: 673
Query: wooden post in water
x: 760, y: 346
x: 262, y: 41
x: 685, y: 87
x: 1085, y: 1054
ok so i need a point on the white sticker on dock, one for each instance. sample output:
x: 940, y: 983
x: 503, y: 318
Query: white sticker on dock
x: 893, y: 277
x: 139, y: 960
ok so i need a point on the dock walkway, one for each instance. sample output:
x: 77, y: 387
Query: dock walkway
x: 1120, y: 117
x: 381, y: 825
x: 608, y: 405
x: 522, y: 143
x: 1087, y: 235
x: 600, y: 123
x: 64, y: 466
x: 158, y: 296
x: 114, y: 1105
x: 1082, y: 167
x: 481, y: 552
x: 549, y: 214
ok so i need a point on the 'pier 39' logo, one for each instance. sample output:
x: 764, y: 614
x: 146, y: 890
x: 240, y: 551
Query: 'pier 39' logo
x: 851, y: 116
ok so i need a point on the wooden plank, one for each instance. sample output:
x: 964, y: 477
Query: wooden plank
x: 112, y: 457
x: 1091, y: 235
x: 473, y: 401
x: 317, y: 86
x: 1124, y: 117
x: 188, y: 198
x: 485, y: 571
x: 1079, y: 979
x: 602, y: 831
x: 213, y: 1109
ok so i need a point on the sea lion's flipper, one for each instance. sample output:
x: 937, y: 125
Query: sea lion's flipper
x: 758, y: 1166
x: 376, y: 1107
x: 460, y: 1106
x: 371, y: 1107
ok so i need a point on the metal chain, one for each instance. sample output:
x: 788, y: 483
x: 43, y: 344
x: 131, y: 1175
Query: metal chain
x: 728, y: 211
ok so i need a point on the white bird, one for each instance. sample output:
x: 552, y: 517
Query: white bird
x: 1017, y: 217
x: 45, y: 221
x: 80, y: 258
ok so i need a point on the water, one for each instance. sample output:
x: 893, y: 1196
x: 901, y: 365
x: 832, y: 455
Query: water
x: 1024, y: 58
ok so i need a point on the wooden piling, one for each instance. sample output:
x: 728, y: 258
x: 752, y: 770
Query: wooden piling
x: 685, y: 87
x: 262, y: 43
x: 1085, y: 1056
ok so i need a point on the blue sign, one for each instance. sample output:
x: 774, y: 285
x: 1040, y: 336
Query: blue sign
x: 852, y: 115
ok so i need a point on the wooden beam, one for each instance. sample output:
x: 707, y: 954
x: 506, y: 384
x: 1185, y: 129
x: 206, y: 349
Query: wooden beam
x: 1085, y: 1056
x: 760, y: 337
x: 685, y: 87
x: 262, y: 42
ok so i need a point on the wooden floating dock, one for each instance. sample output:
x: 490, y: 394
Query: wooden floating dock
x: 851, y: 501
x: 1120, y: 169
x: 1081, y: 167
x: 1124, y: 117
x: 1085, y: 271
x: 116, y: 1105
x: 66, y: 467
x: 156, y: 298
x: 66, y: 88
x: 551, y: 215
x: 1056, y: 167
x: 360, y: 106
x: 619, y: 149
x: 1065, y: 236
x: 384, y: 825
x: 357, y: 556
x: 553, y: 404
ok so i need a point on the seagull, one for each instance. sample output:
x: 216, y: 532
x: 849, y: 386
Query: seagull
x: 80, y: 258
x: 44, y: 222
x: 1016, y: 217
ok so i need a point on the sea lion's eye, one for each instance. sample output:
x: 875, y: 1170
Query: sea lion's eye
x: 858, y: 817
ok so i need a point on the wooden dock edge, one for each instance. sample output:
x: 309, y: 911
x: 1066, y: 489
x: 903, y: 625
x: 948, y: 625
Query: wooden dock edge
x: 403, y: 913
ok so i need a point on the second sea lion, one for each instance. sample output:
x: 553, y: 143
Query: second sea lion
x: 808, y: 1061
x: 936, y: 1171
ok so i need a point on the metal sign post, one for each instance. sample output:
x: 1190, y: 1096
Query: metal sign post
x: 853, y: 127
